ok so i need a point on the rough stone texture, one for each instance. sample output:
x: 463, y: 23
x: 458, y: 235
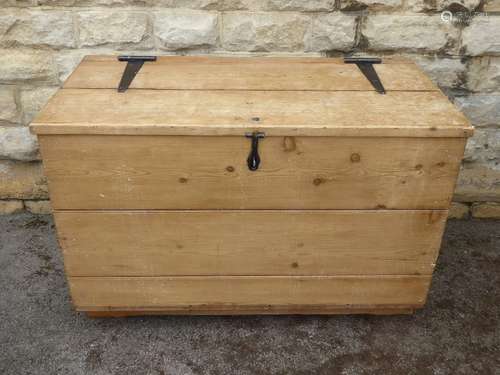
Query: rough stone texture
x: 481, y: 109
x: 483, y: 147
x: 484, y: 75
x: 353, y: 5
x: 334, y: 31
x: 10, y: 207
x: 478, y: 183
x: 117, y: 28
x: 38, y: 207
x: 68, y: 60
x: 193, y: 4
x: 17, y: 143
x: 186, y: 29
x: 453, y: 5
x: 7, y: 20
x: 46, y: 28
x: 458, y: 211
x: 264, y: 31
x: 409, y: 32
x: 445, y: 72
x: 9, y: 112
x: 491, y: 6
x: 301, y: 5
x: 17, y: 3
x: 488, y: 210
x: 21, y: 65
x: 458, y: 331
x: 33, y: 99
x: 479, y: 179
x: 482, y: 36
x: 21, y: 180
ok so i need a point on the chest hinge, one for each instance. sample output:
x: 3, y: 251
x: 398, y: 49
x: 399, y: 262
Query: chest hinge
x: 365, y: 64
x: 134, y: 64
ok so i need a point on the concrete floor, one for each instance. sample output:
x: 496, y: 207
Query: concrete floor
x: 457, y: 333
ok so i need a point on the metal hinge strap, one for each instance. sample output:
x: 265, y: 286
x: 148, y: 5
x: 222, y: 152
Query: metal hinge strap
x: 134, y: 64
x: 365, y: 64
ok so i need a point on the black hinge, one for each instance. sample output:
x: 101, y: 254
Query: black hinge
x: 365, y: 64
x: 134, y: 64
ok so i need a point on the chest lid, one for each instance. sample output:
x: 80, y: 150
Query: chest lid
x: 179, y: 95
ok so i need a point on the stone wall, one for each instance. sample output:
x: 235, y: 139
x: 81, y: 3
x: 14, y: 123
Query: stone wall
x: 42, y: 41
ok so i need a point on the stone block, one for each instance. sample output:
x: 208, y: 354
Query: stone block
x: 9, y: 111
x: 265, y: 32
x: 120, y: 28
x: 301, y: 5
x: 481, y: 109
x: 484, y: 75
x: 41, y: 28
x: 10, y: 207
x: 331, y: 32
x: 32, y: 101
x: 17, y: 143
x: 38, y: 207
x: 486, y: 210
x: 392, y: 32
x: 356, y: 5
x: 27, y: 65
x: 458, y: 211
x: 445, y: 72
x: 482, y: 36
x: 185, y: 29
x: 22, y: 180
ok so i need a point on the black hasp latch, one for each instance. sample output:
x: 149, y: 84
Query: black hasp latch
x: 365, y: 64
x: 134, y: 64
x: 253, y: 160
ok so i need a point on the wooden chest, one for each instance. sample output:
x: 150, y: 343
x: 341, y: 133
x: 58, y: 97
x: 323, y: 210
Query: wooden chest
x: 161, y: 208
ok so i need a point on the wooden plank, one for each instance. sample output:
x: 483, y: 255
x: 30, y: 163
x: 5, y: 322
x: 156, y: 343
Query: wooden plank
x: 166, y: 243
x: 260, y: 310
x: 176, y: 172
x: 217, y: 292
x: 308, y: 113
x: 248, y: 73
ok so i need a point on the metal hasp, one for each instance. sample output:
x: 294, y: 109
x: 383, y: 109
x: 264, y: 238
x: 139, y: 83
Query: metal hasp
x: 365, y: 64
x: 134, y: 64
x: 253, y: 160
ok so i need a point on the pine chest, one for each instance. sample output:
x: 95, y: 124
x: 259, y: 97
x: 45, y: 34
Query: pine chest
x: 209, y: 185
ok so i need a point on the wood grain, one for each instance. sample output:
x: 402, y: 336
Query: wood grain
x: 143, y: 293
x: 248, y: 73
x: 175, y: 172
x: 166, y: 243
x: 308, y: 113
x: 253, y: 310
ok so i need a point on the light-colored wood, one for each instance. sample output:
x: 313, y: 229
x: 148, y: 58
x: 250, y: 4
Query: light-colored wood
x: 230, y: 73
x: 175, y: 172
x: 277, y: 113
x: 295, y: 292
x: 166, y: 243
x: 261, y: 310
x: 157, y: 212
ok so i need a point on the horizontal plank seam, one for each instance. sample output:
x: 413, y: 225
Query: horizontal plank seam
x: 253, y: 90
x: 233, y: 309
x: 422, y: 275
x: 177, y: 210
x: 222, y: 277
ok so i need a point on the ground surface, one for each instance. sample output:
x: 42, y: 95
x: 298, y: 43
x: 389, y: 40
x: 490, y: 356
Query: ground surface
x: 457, y: 333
